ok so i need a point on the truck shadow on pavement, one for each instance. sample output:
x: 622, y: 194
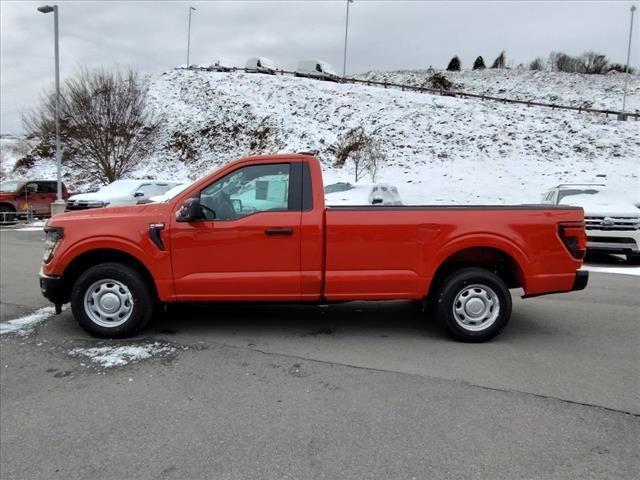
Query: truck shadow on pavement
x: 366, y: 319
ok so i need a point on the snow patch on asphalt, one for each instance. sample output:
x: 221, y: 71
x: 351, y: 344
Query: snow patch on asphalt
x: 25, y: 325
x: 618, y: 270
x: 114, y: 356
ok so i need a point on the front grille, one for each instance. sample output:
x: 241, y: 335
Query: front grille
x: 618, y: 224
x: 620, y: 240
x: 79, y: 205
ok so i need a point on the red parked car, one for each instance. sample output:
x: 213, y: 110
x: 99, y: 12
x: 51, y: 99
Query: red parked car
x: 258, y: 230
x: 20, y: 196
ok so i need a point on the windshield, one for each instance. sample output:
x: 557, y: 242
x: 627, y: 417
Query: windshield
x: 576, y: 191
x: 169, y: 194
x: 119, y: 187
x: 10, y: 186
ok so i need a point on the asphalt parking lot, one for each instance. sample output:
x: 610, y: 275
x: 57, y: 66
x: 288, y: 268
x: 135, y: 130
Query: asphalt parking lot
x: 360, y: 390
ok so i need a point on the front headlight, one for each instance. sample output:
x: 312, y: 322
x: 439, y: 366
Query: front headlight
x: 53, y: 235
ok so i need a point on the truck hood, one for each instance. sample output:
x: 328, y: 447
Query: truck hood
x: 603, y: 205
x: 104, y: 214
x: 97, y: 197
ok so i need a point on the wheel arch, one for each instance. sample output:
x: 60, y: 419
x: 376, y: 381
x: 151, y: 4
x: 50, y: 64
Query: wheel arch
x: 493, y: 258
x: 97, y: 256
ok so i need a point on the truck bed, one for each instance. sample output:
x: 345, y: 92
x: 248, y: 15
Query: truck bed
x: 386, y: 252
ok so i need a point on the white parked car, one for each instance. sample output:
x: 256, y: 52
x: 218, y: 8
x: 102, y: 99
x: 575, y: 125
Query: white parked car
x: 316, y: 69
x: 384, y: 194
x: 260, y: 65
x: 119, y: 193
x: 612, y: 219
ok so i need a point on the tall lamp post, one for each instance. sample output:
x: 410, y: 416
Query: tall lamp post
x: 58, y: 205
x: 626, y: 77
x: 346, y: 32
x: 191, y: 9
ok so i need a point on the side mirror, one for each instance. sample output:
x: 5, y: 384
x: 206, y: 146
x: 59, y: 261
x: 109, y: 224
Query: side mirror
x: 190, y: 211
x: 138, y: 194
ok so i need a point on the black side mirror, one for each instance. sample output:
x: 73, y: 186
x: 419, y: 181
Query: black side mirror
x: 190, y: 211
x: 138, y: 194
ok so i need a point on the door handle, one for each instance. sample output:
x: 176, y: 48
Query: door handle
x: 279, y: 231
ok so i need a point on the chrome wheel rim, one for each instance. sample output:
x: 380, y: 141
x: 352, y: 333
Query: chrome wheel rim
x: 476, y: 307
x: 108, y: 303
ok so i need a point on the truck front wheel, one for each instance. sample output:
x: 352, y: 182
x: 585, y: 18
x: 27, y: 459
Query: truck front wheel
x: 474, y: 304
x: 111, y: 300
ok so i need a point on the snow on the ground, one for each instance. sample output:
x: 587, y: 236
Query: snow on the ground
x: 616, y: 269
x: 25, y: 325
x: 117, y: 356
x: 439, y: 150
x: 603, y: 92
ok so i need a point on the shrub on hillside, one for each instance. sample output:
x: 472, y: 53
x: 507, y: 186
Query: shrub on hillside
x: 439, y: 82
x: 479, y: 64
x: 618, y: 67
x: 588, y: 62
x: 537, y: 64
x: 454, y: 64
x: 500, y: 61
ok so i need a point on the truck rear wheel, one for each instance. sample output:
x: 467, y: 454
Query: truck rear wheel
x: 474, y: 304
x: 111, y: 300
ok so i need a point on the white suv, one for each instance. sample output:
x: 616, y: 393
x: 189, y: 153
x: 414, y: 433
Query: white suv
x: 612, y: 220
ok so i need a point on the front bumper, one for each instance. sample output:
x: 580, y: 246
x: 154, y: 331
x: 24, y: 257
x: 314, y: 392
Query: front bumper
x: 54, y: 288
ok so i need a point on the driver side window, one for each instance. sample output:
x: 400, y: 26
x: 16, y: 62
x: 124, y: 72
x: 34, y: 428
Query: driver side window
x: 248, y: 190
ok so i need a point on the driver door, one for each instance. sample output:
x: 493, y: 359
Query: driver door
x: 248, y: 245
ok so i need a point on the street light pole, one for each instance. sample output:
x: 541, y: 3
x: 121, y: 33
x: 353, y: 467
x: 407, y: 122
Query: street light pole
x: 189, y: 35
x: 626, y: 77
x: 58, y: 205
x: 346, y: 32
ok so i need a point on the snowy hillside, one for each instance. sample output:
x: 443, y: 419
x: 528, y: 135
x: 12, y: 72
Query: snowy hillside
x: 438, y: 149
x: 574, y: 89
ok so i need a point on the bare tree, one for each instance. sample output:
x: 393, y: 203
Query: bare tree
x: 500, y: 61
x: 594, y: 63
x: 363, y: 150
x: 106, y: 126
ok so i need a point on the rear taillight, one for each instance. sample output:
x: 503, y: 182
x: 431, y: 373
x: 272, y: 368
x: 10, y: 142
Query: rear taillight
x: 574, y: 238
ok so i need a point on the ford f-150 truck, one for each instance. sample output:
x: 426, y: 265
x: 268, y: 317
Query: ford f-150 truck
x: 257, y: 230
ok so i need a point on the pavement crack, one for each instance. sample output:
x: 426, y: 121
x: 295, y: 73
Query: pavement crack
x: 460, y: 382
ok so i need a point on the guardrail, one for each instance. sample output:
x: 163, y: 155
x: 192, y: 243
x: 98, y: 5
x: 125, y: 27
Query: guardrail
x: 11, y: 218
x: 445, y: 93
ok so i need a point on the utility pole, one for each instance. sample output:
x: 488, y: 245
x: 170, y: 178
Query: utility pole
x: 346, y: 32
x: 626, y: 70
x: 58, y: 205
x: 189, y: 35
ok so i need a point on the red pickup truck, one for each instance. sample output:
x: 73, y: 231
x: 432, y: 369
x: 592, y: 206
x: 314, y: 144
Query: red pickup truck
x: 19, y: 196
x: 257, y: 230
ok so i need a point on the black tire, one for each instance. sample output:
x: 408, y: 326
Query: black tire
x: 455, y: 284
x: 142, y: 304
x: 633, y: 258
x: 7, y: 219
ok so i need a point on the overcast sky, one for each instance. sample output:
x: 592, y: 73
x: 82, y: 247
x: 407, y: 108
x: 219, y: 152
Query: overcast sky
x: 152, y: 36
